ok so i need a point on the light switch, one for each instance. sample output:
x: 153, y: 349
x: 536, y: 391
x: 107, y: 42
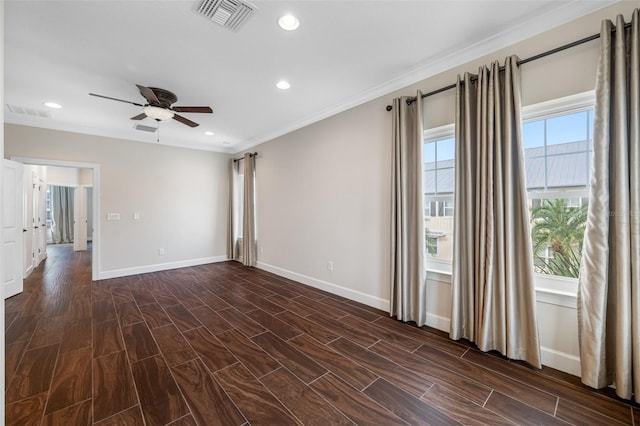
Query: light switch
x: 113, y: 216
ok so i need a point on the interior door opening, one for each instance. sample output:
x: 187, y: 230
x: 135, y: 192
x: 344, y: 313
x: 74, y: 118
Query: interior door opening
x: 48, y: 215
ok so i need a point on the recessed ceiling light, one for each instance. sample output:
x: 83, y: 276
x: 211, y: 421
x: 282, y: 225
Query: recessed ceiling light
x: 284, y: 85
x: 53, y: 105
x: 209, y: 133
x: 226, y: 143
x: 288, y: 22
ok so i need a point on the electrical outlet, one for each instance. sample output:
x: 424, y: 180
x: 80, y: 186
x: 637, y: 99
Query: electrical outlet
x: 330, y: 265
x: 160, y: 252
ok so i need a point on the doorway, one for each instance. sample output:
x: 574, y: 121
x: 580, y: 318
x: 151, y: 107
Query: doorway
x: 92, y: 211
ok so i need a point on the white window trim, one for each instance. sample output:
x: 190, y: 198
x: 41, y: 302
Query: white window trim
x: 569, y: 104
x: 551, y: 289
x: 442, y: 132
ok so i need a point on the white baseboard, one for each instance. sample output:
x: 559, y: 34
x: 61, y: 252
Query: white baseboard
x: 116, y: 273
x: 550, y: 357
x: 438, y: 322
x: 560, y: 361
x: 367, y: 299
x: 28, y: 271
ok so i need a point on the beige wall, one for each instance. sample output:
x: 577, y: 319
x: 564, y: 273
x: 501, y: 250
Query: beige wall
x: 180, y: 194
x: 69, y: 176
x: 323, y: 195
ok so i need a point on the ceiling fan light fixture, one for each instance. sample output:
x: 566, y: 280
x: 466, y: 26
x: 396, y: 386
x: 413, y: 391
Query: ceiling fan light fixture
x: 157, y: 113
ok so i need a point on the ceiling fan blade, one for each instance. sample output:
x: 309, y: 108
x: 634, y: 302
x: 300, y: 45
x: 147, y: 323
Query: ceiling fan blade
x: 139, y: 116
x: 148, y: 95
x: 116, y: 99
x: 204, y: 109
x: 185, y: 120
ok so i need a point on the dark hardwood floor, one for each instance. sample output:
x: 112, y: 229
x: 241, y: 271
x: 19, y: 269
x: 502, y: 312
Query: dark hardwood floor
x: 224, y: 344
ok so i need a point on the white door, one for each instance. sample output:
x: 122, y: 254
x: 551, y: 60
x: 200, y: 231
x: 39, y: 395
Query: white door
x: 12, y: 227
x: 79, y: 219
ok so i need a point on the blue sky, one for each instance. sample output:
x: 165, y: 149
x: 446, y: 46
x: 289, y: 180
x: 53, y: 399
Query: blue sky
x: 565, y: 128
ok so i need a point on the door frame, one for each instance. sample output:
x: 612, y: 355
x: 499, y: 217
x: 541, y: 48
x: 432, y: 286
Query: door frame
x: 95, y: 251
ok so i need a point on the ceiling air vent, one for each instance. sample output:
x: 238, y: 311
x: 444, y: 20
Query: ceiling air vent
x: 144, y: 128
x: 29, y: 111
x: 230, y: 14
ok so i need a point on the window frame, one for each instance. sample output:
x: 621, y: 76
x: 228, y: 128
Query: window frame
x: 579, y: 102
x: 437, y: 133
x: 565, y: 288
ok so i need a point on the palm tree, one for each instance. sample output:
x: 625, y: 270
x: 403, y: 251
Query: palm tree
x: 557, y: 226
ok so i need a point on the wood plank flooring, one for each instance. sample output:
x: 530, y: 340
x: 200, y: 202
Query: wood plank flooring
x: 229, y: 345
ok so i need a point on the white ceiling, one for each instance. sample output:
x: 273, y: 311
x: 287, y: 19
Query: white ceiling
x: 343, y: 54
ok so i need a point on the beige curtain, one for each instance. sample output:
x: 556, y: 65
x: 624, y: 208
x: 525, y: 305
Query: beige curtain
x: 232, y: 225
x: 408, y: 299
x: 609, y: 283
x: 62, y: 211
x: 493, y: 295
x: 249, y: 244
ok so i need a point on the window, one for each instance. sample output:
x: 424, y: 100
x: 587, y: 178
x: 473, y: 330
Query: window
x: 558, y: 145
x: 432, y: 245
x: 239, y: 204
x: 438, y: 208
x: 447, y: 208
x: 438, y: 166
x: 558, y: 152
x: 438, y: 183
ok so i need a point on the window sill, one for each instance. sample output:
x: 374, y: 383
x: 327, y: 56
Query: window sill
x: 560, y: 291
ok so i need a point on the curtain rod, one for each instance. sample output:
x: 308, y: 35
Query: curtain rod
x: 253, y: 154
x: 520, y: 62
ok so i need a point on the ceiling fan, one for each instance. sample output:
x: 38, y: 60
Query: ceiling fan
x: 159, y: 107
